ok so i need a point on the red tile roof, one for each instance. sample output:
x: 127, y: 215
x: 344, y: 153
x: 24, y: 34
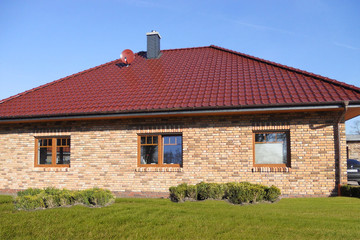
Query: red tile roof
x: 191, y: 78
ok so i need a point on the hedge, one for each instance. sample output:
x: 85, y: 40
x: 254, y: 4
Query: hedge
x: 234, y: 192
x: 31, y: 199
x: 350, y: 191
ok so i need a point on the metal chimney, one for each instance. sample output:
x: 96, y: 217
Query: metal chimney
x: 153, y: 44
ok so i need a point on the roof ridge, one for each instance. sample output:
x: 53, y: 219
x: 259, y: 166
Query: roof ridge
x: 56, y: 81
x: 310, y: 74
x: 188, y: 48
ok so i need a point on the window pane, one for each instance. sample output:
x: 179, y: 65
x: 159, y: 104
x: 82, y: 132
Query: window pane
x: 270, y: 153
x: 172, y: 150
x: 44, y: 155
x: 143, y: 140
x: 63, y: 143
x: 178, y: 140
x: 172, y: 140
x: 58, y: 142
x: 63, y: 155
x: 259, y: 137
x: 271, y: 137
x: 155, y: 139
x: 49, y: 142
x: 281, y: 137
x: 149, y: 140
x: 172, y: 154
x: 285, y: 153
x: 149, y: 155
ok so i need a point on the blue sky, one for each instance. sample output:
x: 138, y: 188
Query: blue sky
x: 41, y: 41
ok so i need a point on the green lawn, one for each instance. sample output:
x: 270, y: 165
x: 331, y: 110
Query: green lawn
x: 306, y: 218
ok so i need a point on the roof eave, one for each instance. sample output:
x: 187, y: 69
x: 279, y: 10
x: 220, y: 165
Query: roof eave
x: 353, y: 109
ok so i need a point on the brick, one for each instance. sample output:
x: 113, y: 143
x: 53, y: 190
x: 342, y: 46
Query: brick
x: 104, y: 154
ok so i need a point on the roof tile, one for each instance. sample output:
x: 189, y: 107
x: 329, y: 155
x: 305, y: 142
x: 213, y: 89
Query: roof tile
x: 204, y: 77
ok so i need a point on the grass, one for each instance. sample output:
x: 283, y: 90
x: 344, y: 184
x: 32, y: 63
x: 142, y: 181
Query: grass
x: 305, y: 218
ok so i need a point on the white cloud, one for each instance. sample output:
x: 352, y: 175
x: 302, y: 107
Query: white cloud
x: 345, y: 46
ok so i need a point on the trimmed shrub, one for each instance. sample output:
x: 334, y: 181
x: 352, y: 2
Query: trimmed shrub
x: 29, y: 202
x: 272, y: 194
x: 98, y: 197
x: 52, y: 197
x: 191, y: 192
x: 238, y: 193
x: 345, y: 190
x: 51, y: 201
x: 178, y: 193
x: 262, y: 194
x: 227, y: 186
x: 350, y: 191
x: 234, y: 192
x: 355, y: 192
x: 66, y: 198
x: 210, y: 191
x: 52, y: 191
x: 77, y: 197
x: 217, y: 191
x: 29, y: 191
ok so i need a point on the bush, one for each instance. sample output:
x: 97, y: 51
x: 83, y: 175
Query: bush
x: 66, y: 198
x: 345, y: 190
x: 243, y: 192
x: 178, y: 193
x: 52, y: 191
x: 272, y: 194
x: 191, y: 192
x: 51, y: 197
x: 29, y: 191
x: 350, y: 191
x: 210, y: 191
x: 51, y: 201
x: 97, y: 197
x: 29, y: 202
x: 202, y: 191
x: 234, y: 192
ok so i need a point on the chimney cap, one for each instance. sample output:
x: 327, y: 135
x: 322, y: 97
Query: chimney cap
x: 153, y: 32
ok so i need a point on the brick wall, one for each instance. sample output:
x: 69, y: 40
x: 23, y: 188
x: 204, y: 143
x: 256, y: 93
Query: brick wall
x: 215, y: 149
x: 354, y: 150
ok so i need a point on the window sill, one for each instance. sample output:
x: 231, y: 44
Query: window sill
x: 158, y: 169
x: 51, y: 169
x: 271, y: 169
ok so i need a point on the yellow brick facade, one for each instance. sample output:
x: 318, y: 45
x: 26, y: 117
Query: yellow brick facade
x: 215, y: 149
x: 353, y: 150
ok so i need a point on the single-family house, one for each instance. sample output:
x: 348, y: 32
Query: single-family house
x: 179, y: 116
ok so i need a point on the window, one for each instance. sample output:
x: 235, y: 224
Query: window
x: 271, y: 149
x: 52, y: 152
x: 160, y: 150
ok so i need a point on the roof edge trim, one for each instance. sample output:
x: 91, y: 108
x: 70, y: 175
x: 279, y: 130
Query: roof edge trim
x: 179, y: 113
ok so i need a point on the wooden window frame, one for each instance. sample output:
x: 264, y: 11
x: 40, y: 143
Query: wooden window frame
x: 53, y: 151
x: 160, y: 150
x: 288, y: 160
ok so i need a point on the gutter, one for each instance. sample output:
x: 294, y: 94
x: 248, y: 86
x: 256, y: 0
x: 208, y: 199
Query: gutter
x: 336, y: 107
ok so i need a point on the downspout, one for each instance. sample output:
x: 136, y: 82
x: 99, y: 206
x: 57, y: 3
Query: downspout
x: 338, y: 144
